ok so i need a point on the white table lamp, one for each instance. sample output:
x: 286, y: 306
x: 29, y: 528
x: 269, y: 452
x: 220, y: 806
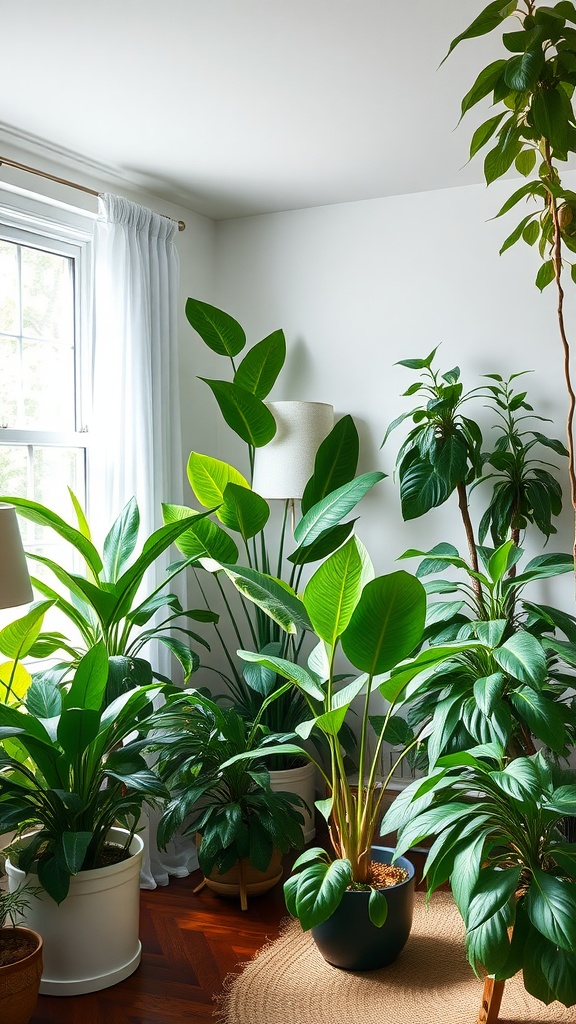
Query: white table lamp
x: 283, y: 467
x: 15, y: 588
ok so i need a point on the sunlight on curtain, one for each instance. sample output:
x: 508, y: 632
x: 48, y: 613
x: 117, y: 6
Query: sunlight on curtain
x: 135, y: 439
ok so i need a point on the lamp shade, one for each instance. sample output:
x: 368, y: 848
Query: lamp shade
x: 15, y: 586
x: 283, y: 467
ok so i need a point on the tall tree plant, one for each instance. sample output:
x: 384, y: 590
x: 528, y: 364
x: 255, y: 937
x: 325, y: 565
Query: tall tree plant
x: 534, y: 130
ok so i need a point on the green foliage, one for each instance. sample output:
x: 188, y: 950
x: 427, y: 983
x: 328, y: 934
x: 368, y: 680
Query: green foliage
x: 13, y: 905
x: 231, y: 806
x: 377, y: 622
x: 500, y: 844
x: 536, y: 129
x: 78, y: 769
x: 234, y: 544
x: 106, y: 605
x: 513, y: 683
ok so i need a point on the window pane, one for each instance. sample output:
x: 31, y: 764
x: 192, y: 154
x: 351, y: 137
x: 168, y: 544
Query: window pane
x: 9, y: 291
x: 9, y: 380
x: 37, y: 385
x: 47, y: 303
x: 42, y: 473
x: 47, y: 386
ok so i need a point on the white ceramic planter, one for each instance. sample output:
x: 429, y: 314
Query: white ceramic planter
x: 91, y: 939
x: 301, y: 781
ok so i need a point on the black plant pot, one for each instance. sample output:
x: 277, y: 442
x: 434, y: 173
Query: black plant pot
x: 349, y: 940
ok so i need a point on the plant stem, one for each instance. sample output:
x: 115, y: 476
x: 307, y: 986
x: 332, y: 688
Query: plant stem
x: 463, y: 506
x: 557, y: 261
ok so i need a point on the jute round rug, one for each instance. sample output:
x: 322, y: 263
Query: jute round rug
x: 288, y: 982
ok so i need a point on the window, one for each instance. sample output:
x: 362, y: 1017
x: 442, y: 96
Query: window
x: 44, y: 386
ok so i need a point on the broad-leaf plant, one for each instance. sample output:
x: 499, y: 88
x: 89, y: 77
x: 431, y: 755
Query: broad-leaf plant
x: 100, y: 602
x: 375, y: 623
x: 241, y: 534
x: 514, y: 687
x: 498, y: 839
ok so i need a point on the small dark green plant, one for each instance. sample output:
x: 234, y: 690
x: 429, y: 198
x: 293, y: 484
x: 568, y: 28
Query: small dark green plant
x: 231, y: 807
x: 500, y: 844
x: 13, y: 905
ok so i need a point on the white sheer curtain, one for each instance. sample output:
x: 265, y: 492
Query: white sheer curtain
x: 136, y: 446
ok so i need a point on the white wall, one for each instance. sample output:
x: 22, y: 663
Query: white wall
x: 359, y: 286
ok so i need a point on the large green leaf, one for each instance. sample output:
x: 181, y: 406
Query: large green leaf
x: 121, y: 540
x: 260, y: 367
x: 89, y: 684
x: 209, y: 478
x: 243, y: 510
x: 288, y: 670
x: 493, y: 892
x: 37, y: 513
x: 203, y: 538
x: 551, y: 906
x: 542, y: 715
x: 18, y: 637
x: 325, y: 543
x: 335, y: 463
x: 488, y: 19
x: 319, y: 891
x: 422, y: 486
x: 246, y: 415
x: 331, y: 509
x: 77, y: 728
x: 220, y: 331
x: 267, y: 593
x: 523, y: 658
x: 386, y: 624
x: 333, y: 592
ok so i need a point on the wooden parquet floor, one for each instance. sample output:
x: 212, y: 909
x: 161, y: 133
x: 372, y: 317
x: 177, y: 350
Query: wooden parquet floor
x: 190, y: 943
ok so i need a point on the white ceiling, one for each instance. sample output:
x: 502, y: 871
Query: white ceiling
x: 236, y: 107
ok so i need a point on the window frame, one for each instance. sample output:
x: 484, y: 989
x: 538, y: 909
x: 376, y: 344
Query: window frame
x: 29, y: 220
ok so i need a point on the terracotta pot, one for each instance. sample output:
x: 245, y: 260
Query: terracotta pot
x: 244, y: 880
x: 19, y: 982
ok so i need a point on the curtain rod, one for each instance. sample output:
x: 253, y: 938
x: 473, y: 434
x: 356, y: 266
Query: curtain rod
x: 64, y: 181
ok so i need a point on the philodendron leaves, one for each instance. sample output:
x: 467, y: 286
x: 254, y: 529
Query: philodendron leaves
x: 260, y: 367
x: 316, y: 891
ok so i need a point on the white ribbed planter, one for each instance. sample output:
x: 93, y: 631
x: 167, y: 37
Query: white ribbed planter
x: 301, y: 781
x: 91, y: 939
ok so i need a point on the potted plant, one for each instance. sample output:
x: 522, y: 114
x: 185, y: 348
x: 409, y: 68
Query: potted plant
x: 499, y: 842
x: 241, y: 534
x: 357, y: 920
x: 105, y: 604
x: 20, y: 958
x: 72, y: 782
x: 243, y: 826
x: 514, y: 687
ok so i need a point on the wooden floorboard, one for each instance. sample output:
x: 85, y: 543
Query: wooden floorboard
x: 191, y: 942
